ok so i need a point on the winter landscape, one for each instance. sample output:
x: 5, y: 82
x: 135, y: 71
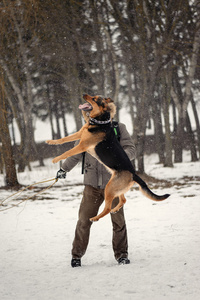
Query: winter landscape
x: 164, y: 240
x: 145, y: 55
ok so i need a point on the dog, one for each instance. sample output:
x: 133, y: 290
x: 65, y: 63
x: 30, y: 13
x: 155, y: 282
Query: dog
x: 98, y: 138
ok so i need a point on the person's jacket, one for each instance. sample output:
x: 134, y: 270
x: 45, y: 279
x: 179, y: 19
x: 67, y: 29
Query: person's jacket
x: 95, y: 174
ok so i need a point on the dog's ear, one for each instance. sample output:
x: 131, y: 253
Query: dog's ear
x: 109, y: 100
x: 112, y: 109
x: 106, y: 107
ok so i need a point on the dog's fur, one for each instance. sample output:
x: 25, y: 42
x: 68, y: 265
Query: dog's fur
x: 97, y: 138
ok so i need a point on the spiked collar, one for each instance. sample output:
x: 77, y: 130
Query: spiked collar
x: 98, y: 122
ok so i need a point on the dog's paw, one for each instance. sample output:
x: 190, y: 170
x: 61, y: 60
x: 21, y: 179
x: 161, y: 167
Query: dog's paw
x: 56, y: 159
x: 51, y: 142
x: 94, y: 219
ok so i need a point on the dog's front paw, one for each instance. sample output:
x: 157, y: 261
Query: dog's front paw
x: 51, y: 142
x: 94, y: 219
x: 56, y: 159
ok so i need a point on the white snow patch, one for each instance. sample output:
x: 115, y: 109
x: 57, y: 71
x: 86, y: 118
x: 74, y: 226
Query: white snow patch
x: 164, y: 242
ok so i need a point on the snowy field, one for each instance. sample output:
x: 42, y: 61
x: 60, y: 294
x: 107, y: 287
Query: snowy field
x: 164, y: 241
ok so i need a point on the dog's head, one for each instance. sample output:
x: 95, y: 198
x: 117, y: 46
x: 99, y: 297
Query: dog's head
x: 96, y: 106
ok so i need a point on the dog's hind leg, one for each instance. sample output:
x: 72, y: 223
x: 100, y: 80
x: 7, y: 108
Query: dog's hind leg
x: 109, y: 195
x: 117, y: 186
x: 108, y: 203
x: 122, y: 201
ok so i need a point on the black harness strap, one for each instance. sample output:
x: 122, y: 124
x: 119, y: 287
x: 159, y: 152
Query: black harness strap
x: 83, y: 162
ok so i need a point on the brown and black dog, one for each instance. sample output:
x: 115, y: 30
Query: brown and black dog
x: 98, y: 138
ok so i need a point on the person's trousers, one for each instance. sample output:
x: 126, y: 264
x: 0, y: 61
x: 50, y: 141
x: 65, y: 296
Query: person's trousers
x: 91, y: 201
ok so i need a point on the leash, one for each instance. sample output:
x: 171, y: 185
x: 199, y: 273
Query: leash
x: 19, y: 192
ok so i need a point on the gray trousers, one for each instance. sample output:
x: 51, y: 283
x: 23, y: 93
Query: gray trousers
x: 91, y: 201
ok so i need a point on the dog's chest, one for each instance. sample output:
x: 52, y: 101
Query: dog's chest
x: 92, y: 152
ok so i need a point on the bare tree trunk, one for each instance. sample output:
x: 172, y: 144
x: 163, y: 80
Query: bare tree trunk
x: 11, y: 176
x: 191, y: 139
x: 1, y: 160
x: 179, y: 133
x: 140, y: 151
x: 166, y: 104
x: 116, y: 81
x: 168, y: 141
x: 50, y: 113
x: 130, y: 96
x: 197, y: 123
x: 58, y: 134
x: 77, y: 114
x: 63, y: 118
x: 174, y: 116
x: 178, y: 141
x: 159, y: 136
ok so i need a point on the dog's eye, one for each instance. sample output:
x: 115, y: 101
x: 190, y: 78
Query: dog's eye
x: 93, y: 99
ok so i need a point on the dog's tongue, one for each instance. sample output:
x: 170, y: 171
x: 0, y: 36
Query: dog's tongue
x: 85, y: 106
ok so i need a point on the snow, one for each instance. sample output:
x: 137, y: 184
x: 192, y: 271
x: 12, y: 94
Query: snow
x: 164, y: 241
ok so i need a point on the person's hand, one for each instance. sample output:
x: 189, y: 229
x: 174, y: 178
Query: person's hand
x: 61, y: 174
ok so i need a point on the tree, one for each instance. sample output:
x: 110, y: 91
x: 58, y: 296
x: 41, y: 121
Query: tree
x: 17, y: 20
x: 9, y: 163
x: 141, y: 53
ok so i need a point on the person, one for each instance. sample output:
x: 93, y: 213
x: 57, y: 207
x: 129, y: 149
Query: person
x: 96, y: 177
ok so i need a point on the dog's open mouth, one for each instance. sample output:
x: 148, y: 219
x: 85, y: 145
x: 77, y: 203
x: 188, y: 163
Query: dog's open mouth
x: 86, y: 106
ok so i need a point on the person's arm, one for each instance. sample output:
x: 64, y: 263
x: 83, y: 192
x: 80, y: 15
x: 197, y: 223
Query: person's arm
x: 127, y: 142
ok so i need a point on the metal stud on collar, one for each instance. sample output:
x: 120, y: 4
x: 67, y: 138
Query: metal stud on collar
x: 94, y: 121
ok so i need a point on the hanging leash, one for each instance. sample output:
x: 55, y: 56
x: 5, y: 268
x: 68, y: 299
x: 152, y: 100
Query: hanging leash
x: 19, y: 192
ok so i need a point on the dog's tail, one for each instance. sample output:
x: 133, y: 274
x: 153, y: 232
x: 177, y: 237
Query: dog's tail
x: 146, y: 191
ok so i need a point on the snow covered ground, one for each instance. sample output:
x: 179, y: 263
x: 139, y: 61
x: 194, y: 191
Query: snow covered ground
x: 164, y: 241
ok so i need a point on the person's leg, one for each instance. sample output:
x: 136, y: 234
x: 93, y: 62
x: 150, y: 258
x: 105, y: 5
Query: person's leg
x: 91, y: 201
x: 120, y: 240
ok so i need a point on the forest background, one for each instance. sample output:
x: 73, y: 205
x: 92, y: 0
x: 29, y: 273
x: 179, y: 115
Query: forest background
x: 144, y: 54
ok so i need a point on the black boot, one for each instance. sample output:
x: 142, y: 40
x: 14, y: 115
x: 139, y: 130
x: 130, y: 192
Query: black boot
x: 123, y: 261
x: 75, y: 262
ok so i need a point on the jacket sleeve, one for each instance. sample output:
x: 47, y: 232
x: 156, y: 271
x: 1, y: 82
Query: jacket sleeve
x: 127, y: 142
x: 72, y: 161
